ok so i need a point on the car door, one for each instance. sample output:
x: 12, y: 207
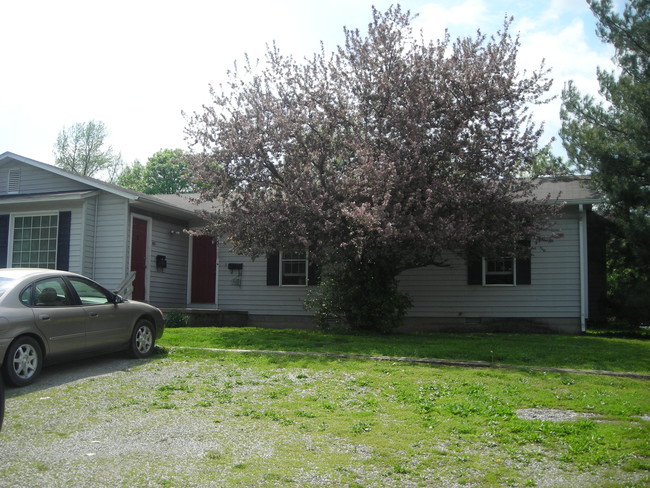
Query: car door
x: 57, y: 315
x: 106, y: 326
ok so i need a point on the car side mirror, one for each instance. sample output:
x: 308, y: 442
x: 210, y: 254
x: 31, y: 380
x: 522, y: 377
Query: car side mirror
x: 117, y: 299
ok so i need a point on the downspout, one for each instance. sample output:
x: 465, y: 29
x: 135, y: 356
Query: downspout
x: 584, y: 290
x: 216, y: 276
x: 190, y: 257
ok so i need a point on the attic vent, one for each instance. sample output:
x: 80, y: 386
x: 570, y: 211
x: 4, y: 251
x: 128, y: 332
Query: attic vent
x: 13, y: 184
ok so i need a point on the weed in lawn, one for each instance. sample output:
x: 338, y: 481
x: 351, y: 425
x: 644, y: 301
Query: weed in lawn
x: 163, y: 405
x: 360, y: 427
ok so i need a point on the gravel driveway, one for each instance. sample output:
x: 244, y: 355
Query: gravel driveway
x: 99, y: 432
x: 105, y: 426
x: 105, y: 422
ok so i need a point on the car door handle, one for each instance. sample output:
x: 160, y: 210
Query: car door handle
x: 93, y: 315
x: 44, y: 317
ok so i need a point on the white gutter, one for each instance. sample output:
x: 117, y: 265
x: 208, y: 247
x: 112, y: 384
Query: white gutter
x: 584, y: 290
x: 48, y: 197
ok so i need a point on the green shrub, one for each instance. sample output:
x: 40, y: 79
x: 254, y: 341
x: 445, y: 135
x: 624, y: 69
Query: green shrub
x: 358, y: 298
x: 175, y: 318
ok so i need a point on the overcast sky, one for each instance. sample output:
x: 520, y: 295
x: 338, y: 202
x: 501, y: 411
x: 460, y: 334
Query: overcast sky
x: 137, y: 64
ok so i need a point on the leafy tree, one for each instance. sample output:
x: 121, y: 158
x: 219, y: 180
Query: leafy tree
x: 545, y: 163
x: 133, y: 177
x: 610, y: 138
x: 378, y: 158
x: 80, y: 149
x: 164, y: 173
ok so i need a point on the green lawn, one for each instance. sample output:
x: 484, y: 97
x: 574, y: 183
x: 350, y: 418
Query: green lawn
x: 377, y: 423
x: 191, y: 417
x: 552, y: 351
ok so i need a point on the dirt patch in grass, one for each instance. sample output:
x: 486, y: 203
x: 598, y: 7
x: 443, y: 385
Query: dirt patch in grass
x: 552, y: 415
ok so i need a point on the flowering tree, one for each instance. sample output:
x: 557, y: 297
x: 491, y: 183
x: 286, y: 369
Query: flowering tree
x: 379, y: 157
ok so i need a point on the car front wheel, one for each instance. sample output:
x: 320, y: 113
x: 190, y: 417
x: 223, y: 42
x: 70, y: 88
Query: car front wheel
x: 23, y: 362
x: 142, y: 339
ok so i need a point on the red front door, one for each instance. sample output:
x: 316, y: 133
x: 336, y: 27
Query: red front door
x: 204, y: 269
x: 139, y: 257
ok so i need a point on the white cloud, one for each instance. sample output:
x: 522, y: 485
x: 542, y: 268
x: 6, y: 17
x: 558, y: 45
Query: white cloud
x: 136, y: 65
x: 458, y: 18
x: 569, y: 51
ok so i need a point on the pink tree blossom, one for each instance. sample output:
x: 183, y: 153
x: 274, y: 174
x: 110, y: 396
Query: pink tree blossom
x: 381, y: 156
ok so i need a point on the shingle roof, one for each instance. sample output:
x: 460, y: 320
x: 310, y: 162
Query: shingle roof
x: 568, y: 189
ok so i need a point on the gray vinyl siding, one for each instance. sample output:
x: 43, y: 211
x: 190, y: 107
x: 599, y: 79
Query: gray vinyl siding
x: 112, y: 240
x: 168, y: 288
x: 89, y: 238
x: 435, y: 291
x: 254, y: 296
x: 553, y: 292
x: 35, y: 180
x: 75, y: 237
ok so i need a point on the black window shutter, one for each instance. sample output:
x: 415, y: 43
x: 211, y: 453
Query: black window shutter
x: 523, y: 271
x: 4, y: 240
x: 523, y: 266
x: 314, y: 274
x: 273, y: 269
x: 474, y: 271
x: 63, y: 242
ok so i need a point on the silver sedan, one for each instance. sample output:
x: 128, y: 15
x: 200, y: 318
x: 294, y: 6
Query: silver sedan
x: 56, y: 315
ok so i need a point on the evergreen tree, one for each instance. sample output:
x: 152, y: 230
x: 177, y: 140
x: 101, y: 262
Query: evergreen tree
x: 610, y: 139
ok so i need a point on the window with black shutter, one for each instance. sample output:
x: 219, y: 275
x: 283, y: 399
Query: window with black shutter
x: 500, y: 271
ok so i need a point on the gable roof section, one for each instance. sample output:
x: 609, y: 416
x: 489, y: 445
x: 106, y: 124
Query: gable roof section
x: 138, y: 200
x: 101, y: 185
x: 572, y: 190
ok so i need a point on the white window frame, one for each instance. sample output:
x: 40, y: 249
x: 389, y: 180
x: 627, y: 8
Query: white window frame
x: 296, y: 260
x: 12, y: 229
x: 485, y: 272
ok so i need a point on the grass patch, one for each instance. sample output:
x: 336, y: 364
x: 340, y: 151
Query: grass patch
x: 276, y: 420
x: 552, y: 351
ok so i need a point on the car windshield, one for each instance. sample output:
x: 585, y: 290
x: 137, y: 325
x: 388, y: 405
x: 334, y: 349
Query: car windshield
x: 5, y: 284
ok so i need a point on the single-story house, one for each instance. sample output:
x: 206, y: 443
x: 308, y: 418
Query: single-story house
x: 125, y: 240
x: 137, y: 244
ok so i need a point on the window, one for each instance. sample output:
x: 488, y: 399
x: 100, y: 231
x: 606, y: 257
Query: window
x: 499, y: 271
x: 90, y: 293
x: 51, y: 292
x: 293, y: 268
x: 502, y: 271
x: 26, y: 296
x: 35, y: 241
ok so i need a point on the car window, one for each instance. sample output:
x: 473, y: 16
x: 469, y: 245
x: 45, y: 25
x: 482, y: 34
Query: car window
x: 26, y: 296
x: 89, y: 293
x: 51, y: 292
